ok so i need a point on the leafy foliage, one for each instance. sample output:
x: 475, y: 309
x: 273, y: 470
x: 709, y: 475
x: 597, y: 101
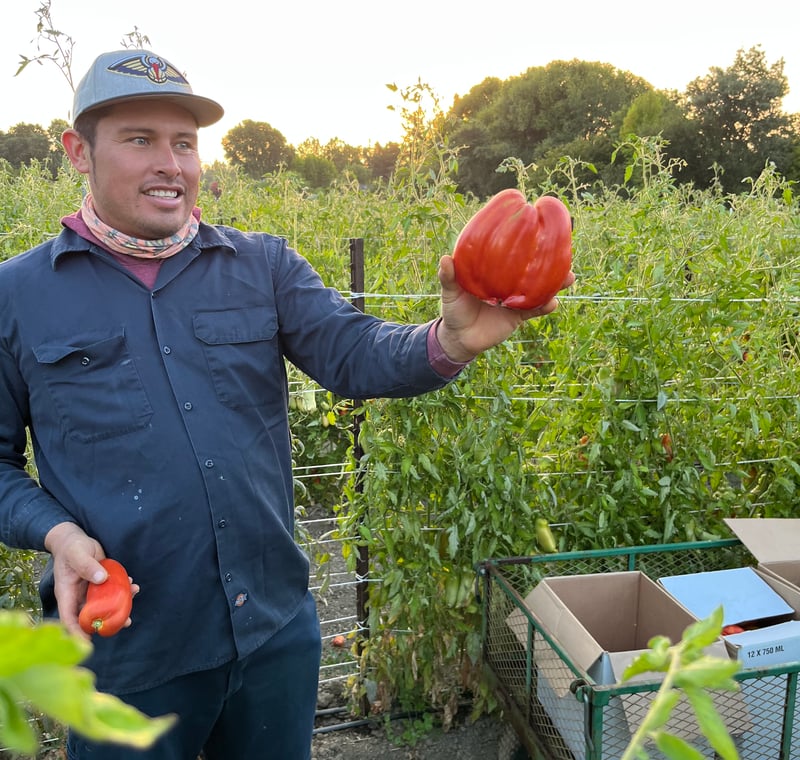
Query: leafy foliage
x: 738, y: 120
x: 691, y: 673
x: 257, y: 147
x: 39, y: 668
x: 536, y: 115
x: 24, y: 143
x: 728, y: 123
x: 659, y: 399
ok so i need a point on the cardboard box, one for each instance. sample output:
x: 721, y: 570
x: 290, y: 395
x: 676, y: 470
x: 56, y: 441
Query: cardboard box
x: 752, y: 596
x: 748, y: 600
x: 602, y: 622
x: 774, y: 542
x: 763, y: 647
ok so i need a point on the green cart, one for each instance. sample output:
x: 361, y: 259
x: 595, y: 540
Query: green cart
x: 558, y: 713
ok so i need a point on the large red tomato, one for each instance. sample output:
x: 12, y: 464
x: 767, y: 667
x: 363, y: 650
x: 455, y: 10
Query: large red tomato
x: 515, y: 253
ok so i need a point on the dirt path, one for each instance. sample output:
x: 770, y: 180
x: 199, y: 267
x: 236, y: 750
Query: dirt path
x: 481, y: 740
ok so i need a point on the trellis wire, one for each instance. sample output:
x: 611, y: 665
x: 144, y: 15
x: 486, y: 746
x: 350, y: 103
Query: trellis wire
x: 381, y: 301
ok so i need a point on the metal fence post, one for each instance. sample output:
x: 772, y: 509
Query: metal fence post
x: 362, y: 559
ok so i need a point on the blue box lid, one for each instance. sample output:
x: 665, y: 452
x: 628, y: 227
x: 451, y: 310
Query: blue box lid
x: 744, y: 596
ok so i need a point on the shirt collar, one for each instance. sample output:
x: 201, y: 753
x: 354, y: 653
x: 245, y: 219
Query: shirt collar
x: 69, y: 241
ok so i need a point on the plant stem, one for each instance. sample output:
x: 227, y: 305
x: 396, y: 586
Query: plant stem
x: 646, y: 726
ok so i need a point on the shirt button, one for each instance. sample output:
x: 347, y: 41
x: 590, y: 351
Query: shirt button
x: 188, y: 406
x: 209, y: 463
x: 85, y: 361
x: 167, y: 350
x: 228, y: 577
x: 222, y: 523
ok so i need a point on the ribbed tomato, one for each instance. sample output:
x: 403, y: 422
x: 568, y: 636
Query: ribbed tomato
x: 515, y: 253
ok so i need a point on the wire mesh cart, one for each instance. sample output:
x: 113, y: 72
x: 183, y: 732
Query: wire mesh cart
x: 559, y: 713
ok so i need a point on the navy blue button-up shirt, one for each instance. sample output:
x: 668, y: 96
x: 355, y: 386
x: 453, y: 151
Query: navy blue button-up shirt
x: 159, y: 425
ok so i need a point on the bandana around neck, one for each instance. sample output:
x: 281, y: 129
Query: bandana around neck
x: 133, y: 246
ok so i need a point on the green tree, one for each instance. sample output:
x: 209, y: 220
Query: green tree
x: 650, y: 114
x: 536, y: 115
x: 739, y: 119
x: 480, y: 152
x: 479, y: 97
x: 658, y: 113
x: 54, y: 132
x: 320, y: 164
x: 257, y: 147
x: 382, y: 159
x: 316, y: 171
x: 24, y: 143
x: 344, y: 156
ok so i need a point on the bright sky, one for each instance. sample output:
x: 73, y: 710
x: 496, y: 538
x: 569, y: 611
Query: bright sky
x: 319, y: 69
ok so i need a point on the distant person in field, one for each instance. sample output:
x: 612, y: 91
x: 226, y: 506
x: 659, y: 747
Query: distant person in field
x: 143, y: 350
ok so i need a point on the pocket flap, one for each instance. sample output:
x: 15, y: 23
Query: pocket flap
x: 239, y: 326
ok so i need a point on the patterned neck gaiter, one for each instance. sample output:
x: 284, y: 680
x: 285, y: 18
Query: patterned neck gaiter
x: 133, y: 246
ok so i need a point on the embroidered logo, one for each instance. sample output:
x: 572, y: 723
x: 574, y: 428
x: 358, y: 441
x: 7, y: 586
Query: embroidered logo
x: 156, y: 69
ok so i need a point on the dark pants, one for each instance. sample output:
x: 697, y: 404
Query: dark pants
x: 260, y: 707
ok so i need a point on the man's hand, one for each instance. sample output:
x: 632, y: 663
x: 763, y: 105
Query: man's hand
x: 76, y: 563
x: 469, y: 326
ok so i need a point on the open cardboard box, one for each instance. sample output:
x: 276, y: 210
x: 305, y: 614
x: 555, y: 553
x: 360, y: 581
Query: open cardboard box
x: 602, y: 622
x: 751, y: 599
x: 774, y: 542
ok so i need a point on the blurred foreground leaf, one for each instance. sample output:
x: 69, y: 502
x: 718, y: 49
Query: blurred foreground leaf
x: 39, y: 671
x: 689, y: 672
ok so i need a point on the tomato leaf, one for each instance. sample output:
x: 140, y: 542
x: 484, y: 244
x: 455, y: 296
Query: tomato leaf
x: 22, y: 644
x: 15, y: 731
x: 676, y: 748
x: 711, y: 724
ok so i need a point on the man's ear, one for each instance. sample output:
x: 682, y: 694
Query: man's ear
x: 77, y: 150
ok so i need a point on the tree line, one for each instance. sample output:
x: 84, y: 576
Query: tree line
x: 723, y: 129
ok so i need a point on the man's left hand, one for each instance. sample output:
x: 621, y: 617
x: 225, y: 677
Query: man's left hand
x: 469, y: 326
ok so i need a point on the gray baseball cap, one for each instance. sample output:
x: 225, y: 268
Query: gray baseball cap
x: 126, y: 75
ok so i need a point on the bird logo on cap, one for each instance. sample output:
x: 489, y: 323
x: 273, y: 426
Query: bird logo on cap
x: 156, y: 69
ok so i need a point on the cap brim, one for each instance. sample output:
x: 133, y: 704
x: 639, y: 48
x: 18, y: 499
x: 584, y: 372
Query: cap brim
x: 205, y: 111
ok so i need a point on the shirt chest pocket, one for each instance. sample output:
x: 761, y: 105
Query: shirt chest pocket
x: 95, y: 386
x: 243, y: 356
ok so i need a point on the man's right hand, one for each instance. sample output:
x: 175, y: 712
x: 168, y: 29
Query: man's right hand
x: 76, y: 562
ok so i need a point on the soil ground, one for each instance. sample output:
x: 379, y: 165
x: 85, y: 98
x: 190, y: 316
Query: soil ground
x: 481, y: 740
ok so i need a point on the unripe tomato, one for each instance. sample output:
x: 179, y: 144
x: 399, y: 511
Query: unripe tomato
x: 544, y: 536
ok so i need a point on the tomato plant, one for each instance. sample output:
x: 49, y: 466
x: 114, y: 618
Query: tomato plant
x: 630, y: 416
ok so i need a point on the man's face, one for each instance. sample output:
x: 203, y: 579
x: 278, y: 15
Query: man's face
x: 144, y: 170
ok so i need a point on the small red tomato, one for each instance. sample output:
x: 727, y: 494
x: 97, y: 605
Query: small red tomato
x: 108, y: 604
x: 515, y: 253
x: 338, y: 641
x: 731, y: 629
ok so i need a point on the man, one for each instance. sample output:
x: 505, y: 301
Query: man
x: 144, y: 351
